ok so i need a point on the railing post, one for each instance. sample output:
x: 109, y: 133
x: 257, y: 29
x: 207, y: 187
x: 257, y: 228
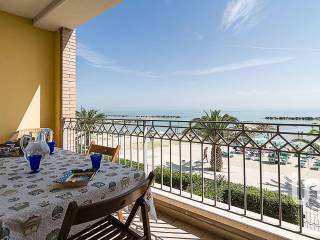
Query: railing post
x: 145, y: 160
x: 61, y: 137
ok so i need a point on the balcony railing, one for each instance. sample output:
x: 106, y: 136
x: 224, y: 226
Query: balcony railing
x: 270, y: 171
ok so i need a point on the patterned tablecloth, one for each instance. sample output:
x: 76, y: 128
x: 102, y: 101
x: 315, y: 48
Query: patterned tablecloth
x: 31, y: 205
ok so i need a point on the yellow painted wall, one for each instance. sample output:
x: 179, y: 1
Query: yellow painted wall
x: 29, y: 76
x: 57, y: 88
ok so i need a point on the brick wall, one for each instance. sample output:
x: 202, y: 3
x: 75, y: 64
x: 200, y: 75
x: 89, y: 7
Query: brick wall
x: 68, y: 73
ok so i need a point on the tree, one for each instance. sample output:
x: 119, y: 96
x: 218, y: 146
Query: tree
x: 212, y: 126
x: 87, y: 119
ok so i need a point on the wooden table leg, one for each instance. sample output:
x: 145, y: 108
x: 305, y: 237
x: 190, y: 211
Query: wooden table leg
x: 120, y: 215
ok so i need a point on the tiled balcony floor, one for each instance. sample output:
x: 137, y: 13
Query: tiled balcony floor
x: 167, y: 228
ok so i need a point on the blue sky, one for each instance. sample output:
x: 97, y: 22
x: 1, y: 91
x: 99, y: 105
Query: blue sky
x: 201, y: 54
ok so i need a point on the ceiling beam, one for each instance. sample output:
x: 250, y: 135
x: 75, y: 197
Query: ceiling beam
x: 53, y: 5
x: 71, y: 13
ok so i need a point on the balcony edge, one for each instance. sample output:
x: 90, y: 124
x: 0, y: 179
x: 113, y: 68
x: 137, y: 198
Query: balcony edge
x: 218, y: 222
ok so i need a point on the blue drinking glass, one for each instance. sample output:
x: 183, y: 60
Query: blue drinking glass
x: 51, y: 147
x: 96, y: 160
x: 34, y: 162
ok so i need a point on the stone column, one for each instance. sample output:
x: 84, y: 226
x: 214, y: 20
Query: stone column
x: 68, y: 82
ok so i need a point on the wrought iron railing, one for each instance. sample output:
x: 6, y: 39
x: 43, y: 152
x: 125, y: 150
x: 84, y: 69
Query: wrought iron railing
x: 269, y: 173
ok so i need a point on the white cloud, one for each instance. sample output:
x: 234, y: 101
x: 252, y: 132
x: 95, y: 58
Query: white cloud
x: 240, y: 13
x: 92, y: 57
x: 98, y: 60
x: 251, y: 63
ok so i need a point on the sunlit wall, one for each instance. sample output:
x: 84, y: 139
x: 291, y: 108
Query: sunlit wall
x: 29, y: 76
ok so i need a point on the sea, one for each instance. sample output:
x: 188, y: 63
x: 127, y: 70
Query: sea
x: 242, y: 115
x: 257, y: 116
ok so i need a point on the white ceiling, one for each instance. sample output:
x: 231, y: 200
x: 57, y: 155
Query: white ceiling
x: 53, y: 14
x: 24, y: 8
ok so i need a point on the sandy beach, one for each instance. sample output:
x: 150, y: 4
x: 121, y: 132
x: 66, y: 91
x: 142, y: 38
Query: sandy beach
x: 192, y: 153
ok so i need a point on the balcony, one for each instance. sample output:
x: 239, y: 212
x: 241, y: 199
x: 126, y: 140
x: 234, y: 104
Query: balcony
x: 266, y: 188
x: 237, y: 179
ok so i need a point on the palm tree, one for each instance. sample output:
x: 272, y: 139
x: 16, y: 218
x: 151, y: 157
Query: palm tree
x: 87, y: 118
x: 212, y: 126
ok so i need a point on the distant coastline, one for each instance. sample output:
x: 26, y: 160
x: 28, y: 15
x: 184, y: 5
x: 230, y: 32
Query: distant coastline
x: 144, y: 116
x: 292, y: 118
x: 298, y: 116
x: 280, y: 118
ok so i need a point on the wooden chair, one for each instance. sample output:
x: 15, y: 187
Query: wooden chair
x: 109, y: 227
x: 112, y: 152
x: 109, y: 151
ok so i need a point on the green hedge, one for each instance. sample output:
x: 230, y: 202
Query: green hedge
x: 290, y: 208
x: 131, y: 163
x: 209, y: 191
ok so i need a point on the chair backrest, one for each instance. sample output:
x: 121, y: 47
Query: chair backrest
x: 109, y: 151
x: 82, y: 214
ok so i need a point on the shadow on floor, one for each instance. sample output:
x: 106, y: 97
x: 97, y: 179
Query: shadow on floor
x: 167, y: 228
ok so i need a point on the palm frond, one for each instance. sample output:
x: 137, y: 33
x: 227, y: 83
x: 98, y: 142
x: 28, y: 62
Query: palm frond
x: 213, y: 124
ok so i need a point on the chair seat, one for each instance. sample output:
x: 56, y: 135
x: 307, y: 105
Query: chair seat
x: 107, y: 228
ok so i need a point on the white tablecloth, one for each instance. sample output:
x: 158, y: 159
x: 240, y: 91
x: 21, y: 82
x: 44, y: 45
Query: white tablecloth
x: 32, y: 207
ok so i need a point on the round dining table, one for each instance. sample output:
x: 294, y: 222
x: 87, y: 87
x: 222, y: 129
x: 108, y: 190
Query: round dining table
x: 32, y: 205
